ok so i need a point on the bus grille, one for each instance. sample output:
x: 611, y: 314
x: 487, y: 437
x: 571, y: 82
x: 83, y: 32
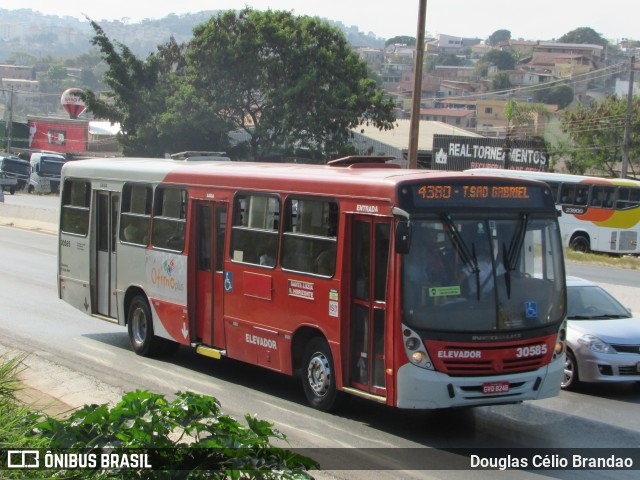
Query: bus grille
x: 492, y: 361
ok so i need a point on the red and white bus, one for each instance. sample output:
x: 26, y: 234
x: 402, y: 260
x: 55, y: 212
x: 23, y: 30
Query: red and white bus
x: 417, y: 289
x: 597, y: 214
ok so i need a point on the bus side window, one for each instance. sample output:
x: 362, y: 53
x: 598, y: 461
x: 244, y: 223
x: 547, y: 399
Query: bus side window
x: 310, y: 236
x: 602, y: 196
x: 567, y: 193
x: 76, y: 199
x: 254, y: 234
x: 135, y: 218
x: 554, y: 187
x: 582, y: 195
x: 169, y: 218
x: 628, y: 197
x: 597, y: 197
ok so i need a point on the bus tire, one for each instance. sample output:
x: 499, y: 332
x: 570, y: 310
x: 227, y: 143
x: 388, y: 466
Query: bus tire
x: 580, y: 243
x: 570, y: 378
x: 318, y: 375
x: 140, y: 328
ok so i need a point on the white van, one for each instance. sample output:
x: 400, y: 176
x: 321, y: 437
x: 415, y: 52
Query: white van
x: 45, y: 172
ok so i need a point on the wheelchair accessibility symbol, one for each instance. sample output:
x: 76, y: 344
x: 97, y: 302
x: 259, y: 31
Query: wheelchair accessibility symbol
x: 228, y: 281
x: 531, y: 309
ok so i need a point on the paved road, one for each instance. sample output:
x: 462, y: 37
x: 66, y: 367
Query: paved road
x: 84, y: 360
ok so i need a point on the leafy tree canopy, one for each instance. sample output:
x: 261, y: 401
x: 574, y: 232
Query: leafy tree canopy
x: 291, y: 82
x: 500, y: 81
x: 583, y: 35
x: 401, y: 40
x: 444, y: 59
x: 288, y: 82
x: 499, y: 36
x: 596, y: 134
x: 500, y: 58
x: 560, y: 94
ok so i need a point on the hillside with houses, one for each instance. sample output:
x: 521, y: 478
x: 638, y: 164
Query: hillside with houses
x: 466, y: 83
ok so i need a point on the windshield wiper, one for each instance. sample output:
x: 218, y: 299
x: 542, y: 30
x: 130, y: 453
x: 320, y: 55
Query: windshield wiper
x: 511, y: 257
x: 469, y: 259
x: 595, y: 317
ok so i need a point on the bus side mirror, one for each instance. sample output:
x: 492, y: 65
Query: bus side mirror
x: 403, y: 237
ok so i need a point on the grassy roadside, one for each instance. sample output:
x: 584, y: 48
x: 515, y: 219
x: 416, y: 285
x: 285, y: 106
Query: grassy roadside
x: 629, y: 262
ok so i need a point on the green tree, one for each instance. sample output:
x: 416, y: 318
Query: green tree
x: 522, y: 117
x: 499, y: 36
x: 500, y: 58
x: 442, y: 59
x: 596, y: 134
x: 560, y: 94
x: 400, y: 40
x: 291, y: 82
x: 584, y: 35
x: 500, y: 81
x: 139, y: 98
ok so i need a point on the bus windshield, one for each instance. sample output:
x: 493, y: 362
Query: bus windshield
x: 477, y: 274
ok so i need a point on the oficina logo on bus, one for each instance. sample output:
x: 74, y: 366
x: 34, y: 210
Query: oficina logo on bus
x: 166, y: 276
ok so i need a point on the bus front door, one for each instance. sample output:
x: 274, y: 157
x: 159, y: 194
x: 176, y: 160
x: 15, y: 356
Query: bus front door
x: 108, y: 205
x: 369, y: 271
x: 209, y: 228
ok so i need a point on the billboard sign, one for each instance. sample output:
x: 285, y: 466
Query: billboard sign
x: 453, y: 152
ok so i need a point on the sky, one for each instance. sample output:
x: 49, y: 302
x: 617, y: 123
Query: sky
x: 531, y: 20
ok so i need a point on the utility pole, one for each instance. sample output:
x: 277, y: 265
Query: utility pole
x: 627, y: 126
x: 414, y: 126
x: 10, y: 121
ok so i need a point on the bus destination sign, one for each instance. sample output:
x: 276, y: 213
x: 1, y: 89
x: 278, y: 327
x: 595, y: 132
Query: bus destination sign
x: 477, y: 194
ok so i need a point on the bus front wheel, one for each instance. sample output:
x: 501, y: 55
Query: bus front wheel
x: 318, y: 375
x: 140, y: 327
x: 580, y: 243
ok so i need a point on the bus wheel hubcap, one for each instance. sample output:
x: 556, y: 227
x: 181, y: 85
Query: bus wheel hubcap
x: 139, y: 327
x: 319, y: 374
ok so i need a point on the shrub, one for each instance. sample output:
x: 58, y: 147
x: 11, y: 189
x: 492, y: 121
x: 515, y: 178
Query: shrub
x: 190, y: 435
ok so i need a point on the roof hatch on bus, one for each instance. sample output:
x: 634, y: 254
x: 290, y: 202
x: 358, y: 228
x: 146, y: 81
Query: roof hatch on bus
x: 363, y: 161
x: 190, y: 156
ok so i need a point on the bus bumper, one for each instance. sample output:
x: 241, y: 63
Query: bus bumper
x: 425, y: 389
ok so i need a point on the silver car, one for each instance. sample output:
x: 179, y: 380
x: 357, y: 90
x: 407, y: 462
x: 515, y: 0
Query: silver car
x: 603, y: 338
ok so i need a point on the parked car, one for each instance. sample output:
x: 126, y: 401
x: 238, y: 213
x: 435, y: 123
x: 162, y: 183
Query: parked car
x: 603, y: 337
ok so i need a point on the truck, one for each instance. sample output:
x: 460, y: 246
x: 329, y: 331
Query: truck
x: 45, y: 172
x: 14, y: 173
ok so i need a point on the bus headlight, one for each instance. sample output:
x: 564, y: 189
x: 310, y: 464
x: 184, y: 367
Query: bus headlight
x: 415, y: 349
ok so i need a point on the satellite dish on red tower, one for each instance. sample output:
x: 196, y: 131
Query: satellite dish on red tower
x: 72, y: 102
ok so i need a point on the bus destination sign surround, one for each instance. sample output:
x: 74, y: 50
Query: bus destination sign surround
x: 477, y: 194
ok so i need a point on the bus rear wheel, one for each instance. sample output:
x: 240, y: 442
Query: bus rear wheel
x: 318, y: 375
x: 141, y: 335
x: 580, y: 243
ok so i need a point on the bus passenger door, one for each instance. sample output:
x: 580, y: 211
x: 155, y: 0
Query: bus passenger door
x: 210, y: 227
x: 108, y: 206
x: 369, y: 273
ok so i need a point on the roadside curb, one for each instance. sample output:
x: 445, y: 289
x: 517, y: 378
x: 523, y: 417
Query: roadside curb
x: 55, y: 389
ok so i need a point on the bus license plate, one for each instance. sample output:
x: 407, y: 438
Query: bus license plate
x: 495, y: 387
